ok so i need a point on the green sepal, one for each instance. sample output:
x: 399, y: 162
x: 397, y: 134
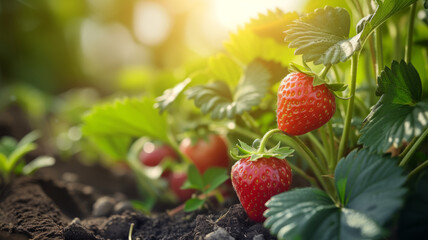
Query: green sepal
x: 337, y: 87
x: 334, y: 87
x: 243, y: 150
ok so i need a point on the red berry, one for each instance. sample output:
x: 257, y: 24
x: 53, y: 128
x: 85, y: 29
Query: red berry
x: 301, y: 106
x: 205, y: 154
x: 155, y: 157
x: 176, y: 180
x: 255, y: 182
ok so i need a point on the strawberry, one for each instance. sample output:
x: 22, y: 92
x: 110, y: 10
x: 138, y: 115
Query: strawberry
x: 303, y: 107
x: 259, y: 175
x: 255, y: 182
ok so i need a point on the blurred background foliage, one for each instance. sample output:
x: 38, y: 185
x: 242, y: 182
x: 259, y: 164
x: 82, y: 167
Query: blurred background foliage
x: 59, y: 58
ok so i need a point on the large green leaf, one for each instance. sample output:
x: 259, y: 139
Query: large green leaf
x: 399, y: 115
x: 128, y: 117
x: 246, y: 46
x: 413, y: 220
x: 225, y: 68
x: 385, y: 9
x: 370, y: 184
x: 217, y: 98
x: 322, y: 36
x: 370, y: 192
x: 170, y: 95
x: 401, y: 84
x: 115, y: 147
x: 272, y: 24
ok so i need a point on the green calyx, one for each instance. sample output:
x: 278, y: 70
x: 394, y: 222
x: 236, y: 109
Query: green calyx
x: 319, y: 79
x: 258, y: 150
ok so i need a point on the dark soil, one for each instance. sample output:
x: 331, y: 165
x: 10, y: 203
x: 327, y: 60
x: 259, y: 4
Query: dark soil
x: 58, y: 203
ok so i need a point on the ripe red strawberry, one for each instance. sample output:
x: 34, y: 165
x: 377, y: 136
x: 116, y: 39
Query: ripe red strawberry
x: 301, y: 106
x: 255, y: 182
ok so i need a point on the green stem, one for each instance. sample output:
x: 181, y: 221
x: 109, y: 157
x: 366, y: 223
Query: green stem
x: 173, y: 142
x: 336, y: 74
x: 249, y: 120
x: 317, y: 144
x: 332, y: 148
x: 350, y: 107
x: 324, y: 71
x: 303, y: 174
x: 407, y: 149
x: 326, y: 143
x: 322, y: 169
x: 299, y: 146
x: 319, y: 171
x: 418, y: 169
x: 379, y: 51
x: 413, y: 149
x: 265, y: 139
x: 244, y: 131
x: 409, y: 41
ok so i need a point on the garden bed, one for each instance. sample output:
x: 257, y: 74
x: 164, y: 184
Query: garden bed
x: 57, y: 203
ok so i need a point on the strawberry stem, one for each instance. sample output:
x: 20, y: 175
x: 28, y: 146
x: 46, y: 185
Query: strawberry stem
x: 409, y: 40
x: 324, y: 71
x: 413, y: 148
x: 350, y: 107
x: 265, y: 139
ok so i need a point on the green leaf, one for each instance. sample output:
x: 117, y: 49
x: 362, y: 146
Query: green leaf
x: 322, y: 36
x: 116, y: 147
x: 170, y: 95
x: 17, y: 154
x: 225, y: 68
x: 399, y: 115
x: 3, y: 162
x: 370, y: 192
x: 7, y: 145
x: 39, y: 162
x: 414, y: 216
x: 271, y: 24
x: 127, y: 117
x: 373, y: 184
x: 213, y: 178
x: 216, y: 98
x: 28, y: 139
x: 194, y: 179
x: 426, y: 4
x: 247, y: 46
x: 385, y: 10
x: 193, y: 204
x: 401, y: 84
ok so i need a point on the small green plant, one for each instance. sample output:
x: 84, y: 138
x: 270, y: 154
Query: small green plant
x: 206, y: 184
x: 12, y: 153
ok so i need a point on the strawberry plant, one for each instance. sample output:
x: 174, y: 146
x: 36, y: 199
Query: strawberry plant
x: 354, y: 113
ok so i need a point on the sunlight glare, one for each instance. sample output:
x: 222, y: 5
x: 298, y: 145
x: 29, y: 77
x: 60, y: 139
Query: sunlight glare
x: 152, y: 23
x: 234, y: 13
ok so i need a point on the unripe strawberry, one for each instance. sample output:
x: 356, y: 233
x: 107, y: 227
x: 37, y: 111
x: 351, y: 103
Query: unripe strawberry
x: 301, y: 106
